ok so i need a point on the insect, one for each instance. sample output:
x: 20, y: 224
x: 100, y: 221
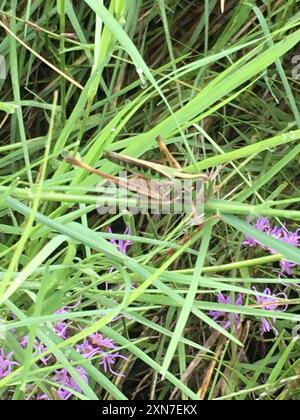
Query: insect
x: 150, y: 170
x: 131, y: 184
x: 145, y: 171
x: 154, y: 170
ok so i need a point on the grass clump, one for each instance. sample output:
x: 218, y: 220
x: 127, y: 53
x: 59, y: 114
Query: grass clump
x: 145, y: 306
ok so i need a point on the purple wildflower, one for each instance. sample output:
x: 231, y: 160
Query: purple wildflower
x: 100, y: 341
x: 286, y: 267
x: 108, y: 360
x: 269, y: 303
x: 86, y: 349
x: 121, y: 244
x: 277, y: 233
x: 292, y: 238
x: 225, y: 316
x: 63, y: 377
x: 261, y: 224
x: 24, y: 342
x: 43, y: 397
x: 38, y: 347
x: 280, y: 233
x: 94, y: 344
x: 6, y: 363
x: 61, y: 327
x: 249, y: 241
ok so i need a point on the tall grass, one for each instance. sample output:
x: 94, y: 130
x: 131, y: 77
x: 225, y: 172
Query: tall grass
x: 222, y: 89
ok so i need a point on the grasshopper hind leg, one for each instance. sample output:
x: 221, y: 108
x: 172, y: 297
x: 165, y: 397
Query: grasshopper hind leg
x: 168, y: 155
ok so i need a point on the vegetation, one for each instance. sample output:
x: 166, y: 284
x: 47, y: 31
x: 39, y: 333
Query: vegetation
x: 147, y: 306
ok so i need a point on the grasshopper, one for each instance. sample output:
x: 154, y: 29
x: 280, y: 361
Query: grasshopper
x: 144, y: 172
x: 151, y: 170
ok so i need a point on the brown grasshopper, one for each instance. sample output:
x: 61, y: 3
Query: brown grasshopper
x: 145, y: 171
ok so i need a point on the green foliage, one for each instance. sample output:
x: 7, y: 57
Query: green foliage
x: 95, y: 76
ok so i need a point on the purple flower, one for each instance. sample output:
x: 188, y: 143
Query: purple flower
x: 120, y: 244
x: 94, y: 344
x: 261, y: 224
x: 249, y: 241
x: 61, y: 311
x: 42, y: 397
x: 292, y: 238
x: 100, y: 341
x: 62, y: 377
x: 286, y: 267
x: 280, y: 233
x: 38, y: 347
x: 269, y: 303
x: 61, y: 327
x: 225, y: 316
x: 25, y: 340
x: 277, y: 233
x: 86, y: 349
x: 6, y: 363
x: 108, y: 360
